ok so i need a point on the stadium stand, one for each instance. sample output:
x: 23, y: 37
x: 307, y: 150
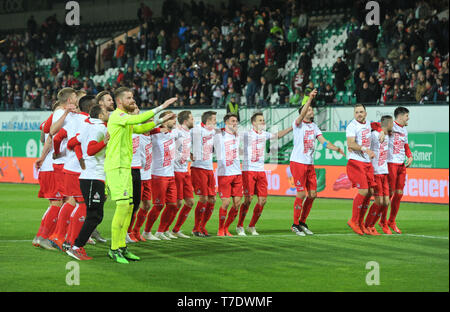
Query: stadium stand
x: 206, y: 63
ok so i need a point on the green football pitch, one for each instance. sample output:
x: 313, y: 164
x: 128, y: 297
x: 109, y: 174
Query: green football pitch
x: 334, y: 259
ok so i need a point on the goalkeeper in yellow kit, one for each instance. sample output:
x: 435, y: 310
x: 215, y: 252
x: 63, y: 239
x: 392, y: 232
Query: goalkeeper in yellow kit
x: 119, y: 153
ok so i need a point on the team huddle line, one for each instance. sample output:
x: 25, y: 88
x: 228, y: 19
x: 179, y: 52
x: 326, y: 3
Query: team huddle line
x: 92, y: 151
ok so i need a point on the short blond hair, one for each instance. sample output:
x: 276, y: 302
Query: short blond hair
x: 118, y: 93
x: 64, y: 94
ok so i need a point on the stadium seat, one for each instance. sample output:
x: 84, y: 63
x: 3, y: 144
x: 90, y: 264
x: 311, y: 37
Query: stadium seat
x: 340, y: 97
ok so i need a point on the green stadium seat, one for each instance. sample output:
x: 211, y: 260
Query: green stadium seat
x: 340, y: 97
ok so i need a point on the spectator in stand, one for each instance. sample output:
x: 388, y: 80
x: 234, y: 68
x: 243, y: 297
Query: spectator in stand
x: 250, y: 92
x: 341, y: 74
x: 65, y: 62
x: 107, y: 56
x: 232, y: 106
x: 441, y: 89
x: 364, y: 95
x: 265, y: 92
x: 283, y: 94
x: 328, y: 94
x: 152, y: 46
x: 299, y: 80
x: 430, y: 93
x: 305, y: 63
x: 387, y: 93
x: 269, y: 54
x: 270, y: 73
x: 120, y: 54
x: 420, y: 86
x: 128, y: 78
x: 405, y: 94
x: 231, y: 50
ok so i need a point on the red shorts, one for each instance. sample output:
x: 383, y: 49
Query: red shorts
x: 382, y: 188
x: 361, y: 174
x: 255, y: 182
x: 230, y: 186
x: 164, y: 190
x: 304, y: 176
x: 146, y: 189
x: 203, y: 182
x: 72, y: 185
x: 58, y: 178
x: 397, y: 176
x: 47, y: 185
x: 184, y: 185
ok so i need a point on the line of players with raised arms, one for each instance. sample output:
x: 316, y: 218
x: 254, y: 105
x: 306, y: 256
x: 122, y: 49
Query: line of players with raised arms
x: 77, y: 152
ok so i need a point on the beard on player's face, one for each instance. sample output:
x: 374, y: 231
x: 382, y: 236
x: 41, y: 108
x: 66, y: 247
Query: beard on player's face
x: 360, y: 117
x: 170, y: 124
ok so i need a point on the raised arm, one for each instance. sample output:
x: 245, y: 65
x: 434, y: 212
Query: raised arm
x: 282, y: 133
x: 141, y: 118
x: 146, y: 127
x: 302, y: 115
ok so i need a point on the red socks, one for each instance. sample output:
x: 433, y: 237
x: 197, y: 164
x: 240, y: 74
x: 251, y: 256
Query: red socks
x: 222, y: 217
x: 152, y: 216
x: 77, y: 219
x: 166, y: 217
x: 256, y: 214
x: 207, y: 215
x: 184, y: 213
x: 50, y: 221
x: 172, y: 217
x: 141, y: 215
x: 231, y: 216
x: 41, y: 226
x: 307, y: 205
x: 372, y: 216
x: 383, y: 213
x: 364, y: 207
x: 63, y: 221
x: 199, y: 211
x: 297, y: 209
x: 395, y: 205
x: 133, y: 218
x: 357, y: 205
x: 242, y: 214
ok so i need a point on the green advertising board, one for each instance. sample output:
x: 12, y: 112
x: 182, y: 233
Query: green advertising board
x: 20, y: 144
x: 430, y: 150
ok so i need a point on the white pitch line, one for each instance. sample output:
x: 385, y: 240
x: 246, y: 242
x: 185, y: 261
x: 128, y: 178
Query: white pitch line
x: 283, y: 235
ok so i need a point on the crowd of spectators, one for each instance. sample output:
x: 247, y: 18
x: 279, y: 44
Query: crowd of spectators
x: 408, y: 63
x: 220, y: 57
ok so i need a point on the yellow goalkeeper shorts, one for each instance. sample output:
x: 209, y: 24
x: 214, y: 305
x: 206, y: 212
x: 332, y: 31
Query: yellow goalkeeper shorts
x: 119, y: 183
